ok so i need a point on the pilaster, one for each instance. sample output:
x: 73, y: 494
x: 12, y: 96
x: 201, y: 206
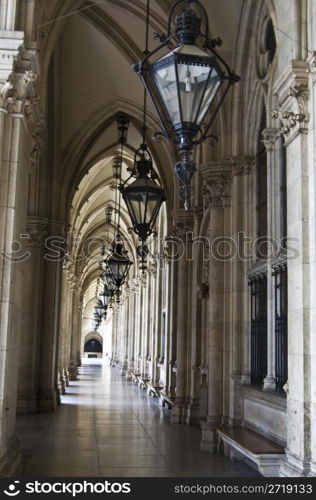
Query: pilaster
x: 292, y: 91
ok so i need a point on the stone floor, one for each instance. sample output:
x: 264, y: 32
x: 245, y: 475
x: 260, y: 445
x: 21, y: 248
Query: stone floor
x: 108, y: 427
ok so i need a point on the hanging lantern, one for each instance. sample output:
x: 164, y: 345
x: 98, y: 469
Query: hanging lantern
x: 183, y: 85
x: 99, y: 308
x: 144, y: 196
x: 118, y: 263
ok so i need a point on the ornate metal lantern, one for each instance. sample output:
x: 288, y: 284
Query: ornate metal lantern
x: 184, y: 83
x: 118, y: 264
x: 144, y: 196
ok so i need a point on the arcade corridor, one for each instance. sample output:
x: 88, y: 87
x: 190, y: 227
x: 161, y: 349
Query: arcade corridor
x: 104, y: 428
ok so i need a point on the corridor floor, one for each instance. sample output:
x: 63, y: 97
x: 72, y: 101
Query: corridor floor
x: 108, y: 427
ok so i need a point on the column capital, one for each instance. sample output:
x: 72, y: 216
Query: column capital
x: 291, y: 95
x: 217, y: 177
x: 37, y: 230
x: 183, y: 222
x: 269, y: 138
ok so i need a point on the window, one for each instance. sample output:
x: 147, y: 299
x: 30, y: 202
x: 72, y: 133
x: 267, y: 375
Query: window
x: 283, y: 192
x: 261, y: 177
x: 281, y: 349
x: 258, y: 330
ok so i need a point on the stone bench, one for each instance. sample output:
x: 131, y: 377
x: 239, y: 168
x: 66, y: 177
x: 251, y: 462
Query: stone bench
x: 165, y: 400
x: 240, y: 444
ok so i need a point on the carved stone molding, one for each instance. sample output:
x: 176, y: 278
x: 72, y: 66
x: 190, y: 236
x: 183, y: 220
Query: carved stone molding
x: 269, y: 138
x: 183, y: 223
x: 37, y: 145
x: 312, y: 67
x: 37, y: 232
x: 218, y: 180
x: 217, y: 192
x: 292, y: 96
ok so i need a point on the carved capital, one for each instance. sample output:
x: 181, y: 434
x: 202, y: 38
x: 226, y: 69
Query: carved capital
x: 269, y: 138
x: 241, y: 165
x: 292, y: 97
x: 37, y: 233
x: 183, y: 222
x: 218, y: 180
x: 217, y: 192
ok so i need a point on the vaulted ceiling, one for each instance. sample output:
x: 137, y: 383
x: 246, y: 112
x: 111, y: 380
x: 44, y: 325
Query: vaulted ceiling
x: 91, y: 47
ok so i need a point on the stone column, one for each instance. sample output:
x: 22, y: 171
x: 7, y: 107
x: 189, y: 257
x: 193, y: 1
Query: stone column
x: 125, y: 330
x: 293, y: 115
x: 8, y: 15
x: 270, y: 136
x: 49, y: 343
x: 32, y: 307
x: 312, y: 219
x: 199, y: 258
x: 171, y: 333
x: 156, y: 308
x: 183, y: 223
x: 14, y: 173
x: 218, y: 187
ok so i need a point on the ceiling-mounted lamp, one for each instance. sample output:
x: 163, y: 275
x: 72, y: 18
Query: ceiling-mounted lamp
x: 184, y: 83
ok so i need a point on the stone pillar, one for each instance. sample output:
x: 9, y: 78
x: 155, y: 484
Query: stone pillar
x: 312, y: 219
x: 8, y: 15
x: 14, y: 174
x: 156, y: 308
x: 171, y: 333
x: 270, y: 136
x: 293, y: 94
x: 48, y: 383
x: 74, y: 329
x: 183, y: 223
x: 218, y: 189
x: 125, y: 330
x: 32, y: 307
x: 199, y: 258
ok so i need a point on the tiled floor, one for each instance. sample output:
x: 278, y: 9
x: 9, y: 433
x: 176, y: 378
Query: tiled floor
x: 108, y: 427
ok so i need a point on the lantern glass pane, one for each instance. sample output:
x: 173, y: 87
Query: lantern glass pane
x: 166, y: 83
x: 143, y: 197
x: 192, y: 84
x: 213, y: 85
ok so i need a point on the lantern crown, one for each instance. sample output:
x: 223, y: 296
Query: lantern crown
x: 188, y: 27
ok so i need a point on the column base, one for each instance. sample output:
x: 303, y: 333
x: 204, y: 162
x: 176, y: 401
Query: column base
x: 73, y: 373
x: 66, y: 375
x: 193, y: 416
x: 48, y: 403
x: 269, y: 384
x: 178, y: 412
x: 209, y: 438
x: 10, y: 461
x: 293, y: 466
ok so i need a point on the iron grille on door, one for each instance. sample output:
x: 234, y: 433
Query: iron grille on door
x: 258, y: 332
x: 281, y: 350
